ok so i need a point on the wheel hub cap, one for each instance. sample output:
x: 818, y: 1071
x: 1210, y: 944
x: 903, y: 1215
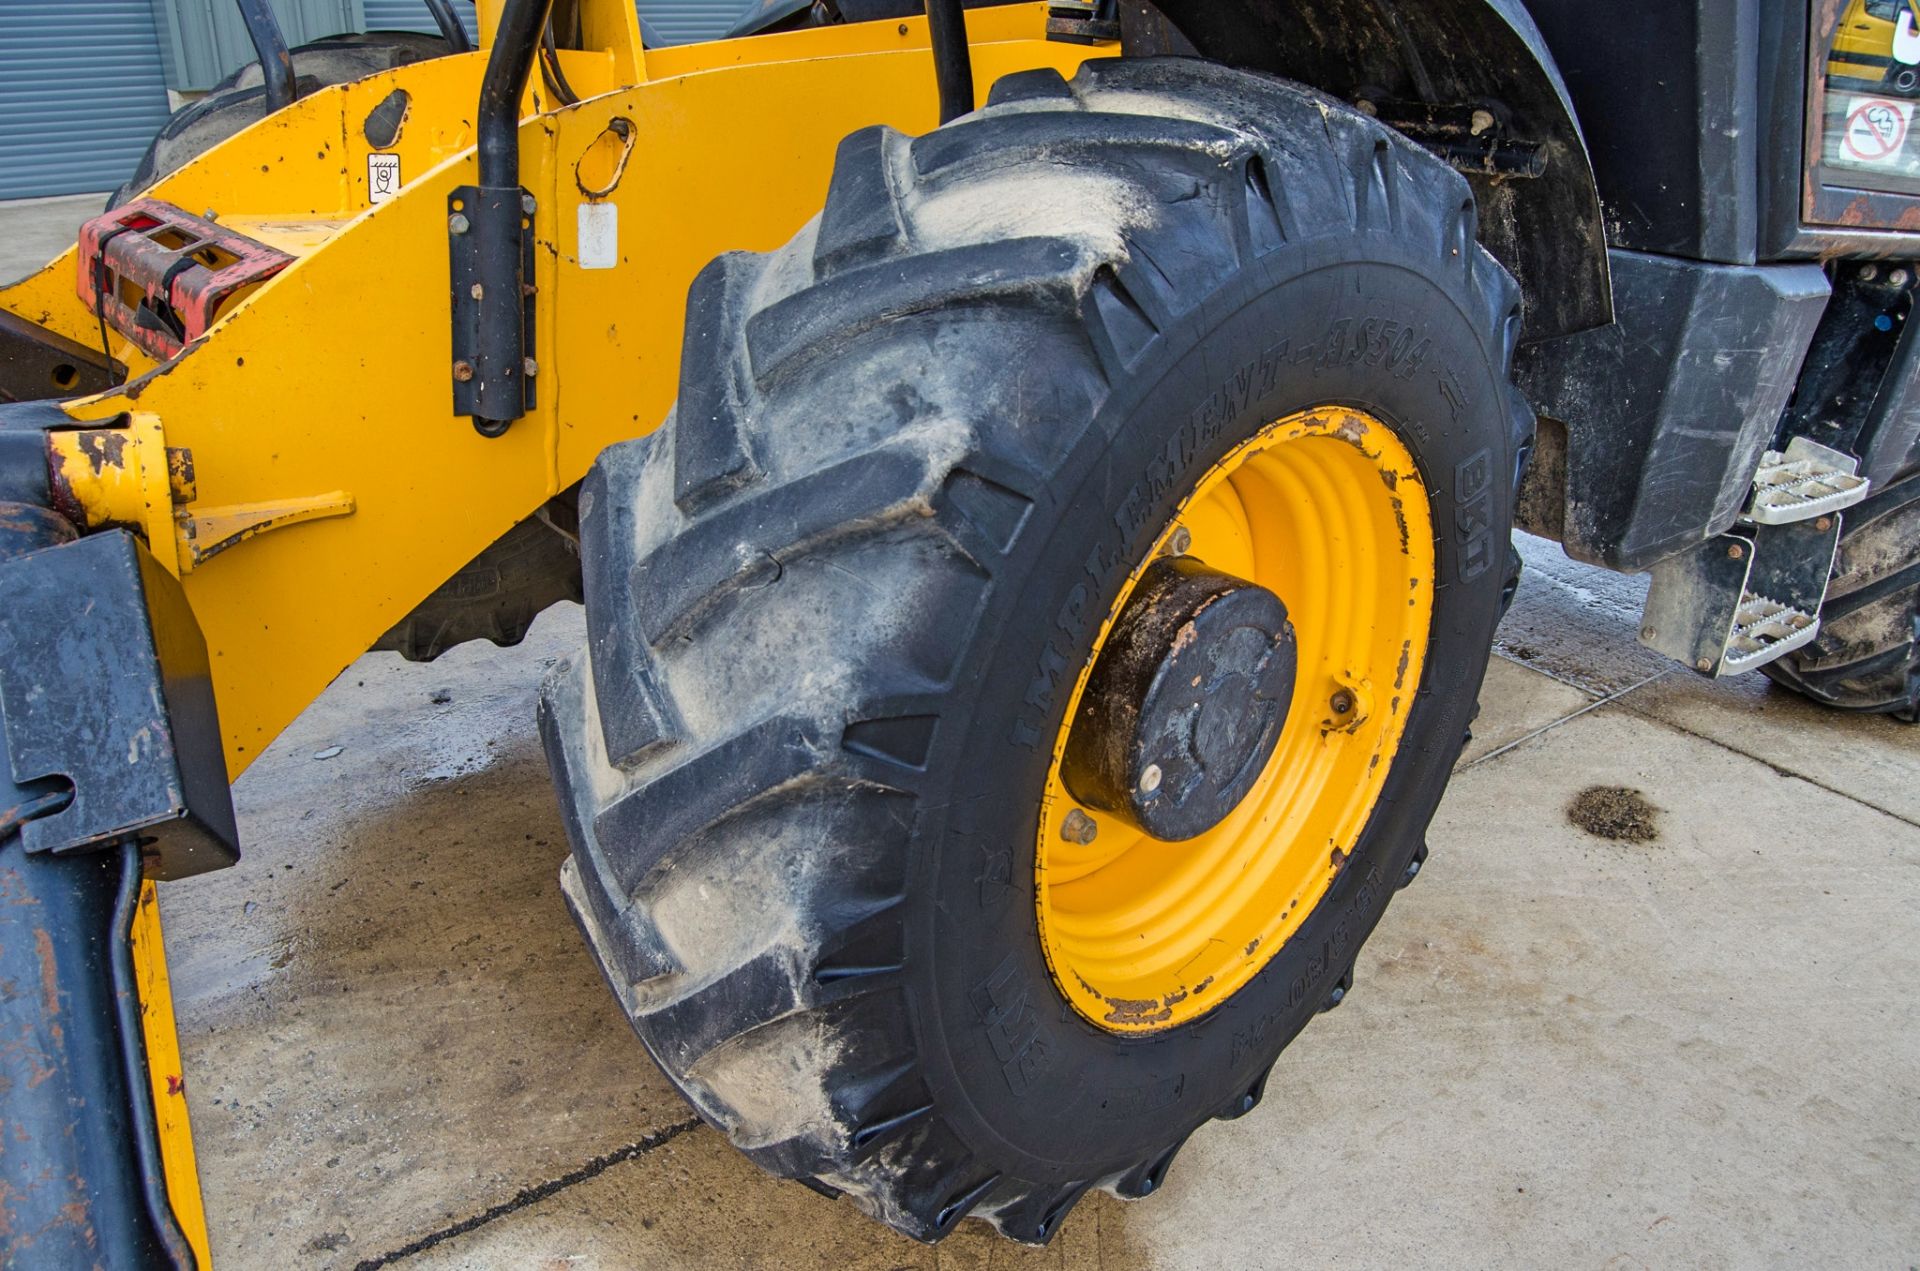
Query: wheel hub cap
x: 1186, y: 702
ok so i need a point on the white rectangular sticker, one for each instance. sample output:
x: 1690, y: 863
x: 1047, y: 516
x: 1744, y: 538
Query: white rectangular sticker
x: 1875, y: 130
x: 383, y: 177
x: 599, y: 235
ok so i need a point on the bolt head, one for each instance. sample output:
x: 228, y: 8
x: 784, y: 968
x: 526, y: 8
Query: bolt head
x: 1341, y: 702
x: 529, y: 367
x: 1824, y: 523
x: 1150, y: 778
x: 1704, y: 664
x: 1869, y: 272
x: 527, y: 204
x: 1180, y: 542
x: 1897, y: 278
x: 1648, y: 633
x: 457, y: 223
x: 1079, y: 828
x: 1480, y: 121
x: 463, y: 370
x: 1735, y: 551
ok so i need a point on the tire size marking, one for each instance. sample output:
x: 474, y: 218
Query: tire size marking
x: 1473, y: 514
x: 1004, y: 1003
x: 1129, y: 1102
x: 1334, y: 953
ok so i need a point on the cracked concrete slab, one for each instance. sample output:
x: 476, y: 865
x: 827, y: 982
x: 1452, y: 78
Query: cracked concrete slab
x: 1577, y: 623
x: 388, y: 1021
x: 1695, y: 1051
x: 1872, y: 758
x: 1516, y: 702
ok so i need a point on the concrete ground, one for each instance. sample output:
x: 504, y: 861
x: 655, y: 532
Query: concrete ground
x: 37, y: 230
x: 1702, y: 1050
x: 1562, y: 1049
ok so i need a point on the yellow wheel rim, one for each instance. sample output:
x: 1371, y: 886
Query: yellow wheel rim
x: 1328, y: 510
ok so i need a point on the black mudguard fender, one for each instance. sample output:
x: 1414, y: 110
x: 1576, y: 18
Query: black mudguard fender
x: 1427, y: 68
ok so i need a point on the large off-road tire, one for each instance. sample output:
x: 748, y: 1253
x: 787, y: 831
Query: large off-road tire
x: 239, y: 100
x: 836, y: 604
x: 1867, y: 655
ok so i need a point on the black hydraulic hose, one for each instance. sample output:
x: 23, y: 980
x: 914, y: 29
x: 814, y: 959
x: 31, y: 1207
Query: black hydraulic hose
x: 550, y: 71
x: 144, y: 1120
x: 276, y: 64
x: 952, y: 60
x: 451, y: 29
x: 514, y: 45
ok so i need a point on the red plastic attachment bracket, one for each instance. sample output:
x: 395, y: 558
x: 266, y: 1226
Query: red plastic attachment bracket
x: 159, y: 274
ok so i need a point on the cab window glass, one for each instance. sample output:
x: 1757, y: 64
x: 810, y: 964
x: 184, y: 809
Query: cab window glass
x: 1872, y: 87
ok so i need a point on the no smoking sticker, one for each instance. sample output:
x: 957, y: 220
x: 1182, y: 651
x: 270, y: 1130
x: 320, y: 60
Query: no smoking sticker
x: 1876, y: 129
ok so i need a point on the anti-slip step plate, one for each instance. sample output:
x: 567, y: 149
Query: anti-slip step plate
x: 1740, y: 600
x: 1809, y: 480
x: 1764, y: 629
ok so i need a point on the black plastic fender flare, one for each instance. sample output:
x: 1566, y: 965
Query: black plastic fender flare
x: 1547, y: 230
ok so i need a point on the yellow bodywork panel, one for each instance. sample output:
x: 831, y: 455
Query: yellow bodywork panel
x: 314, y: 417
x: 165, y: 1072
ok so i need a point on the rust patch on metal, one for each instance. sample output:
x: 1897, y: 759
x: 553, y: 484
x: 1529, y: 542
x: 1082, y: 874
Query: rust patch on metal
x: 104, y: 448
x: 49, y: 973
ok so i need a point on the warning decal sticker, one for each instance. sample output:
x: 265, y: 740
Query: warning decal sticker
x: 383, y: 177
x: 1876, y: 128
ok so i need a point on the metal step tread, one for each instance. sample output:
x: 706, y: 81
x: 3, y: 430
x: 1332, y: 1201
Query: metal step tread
x: 1809, y: 480
x: 1764, y: 629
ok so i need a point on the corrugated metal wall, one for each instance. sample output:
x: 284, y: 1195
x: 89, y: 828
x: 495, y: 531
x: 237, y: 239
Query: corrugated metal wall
x: 82, y: 91
x: 675, y: 21
x: 688, y: 21
x: 83, y: 82
x: 203, y: 41
x: 410, y: 15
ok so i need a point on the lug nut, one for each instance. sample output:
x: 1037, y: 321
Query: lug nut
x: 1180, y: 542
x: 457, y: 223
x: 1079, y: 828
x: 1150, y: 779
x: 463, y: 371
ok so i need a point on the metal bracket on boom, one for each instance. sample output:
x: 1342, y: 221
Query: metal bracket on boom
x: 490, y: 243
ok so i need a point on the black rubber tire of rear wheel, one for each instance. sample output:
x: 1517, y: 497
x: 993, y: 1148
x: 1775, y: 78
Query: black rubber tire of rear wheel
x: 239, y: 100
x: 495, y: 596
x: 1867, y: 655
x: 836, y: 603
